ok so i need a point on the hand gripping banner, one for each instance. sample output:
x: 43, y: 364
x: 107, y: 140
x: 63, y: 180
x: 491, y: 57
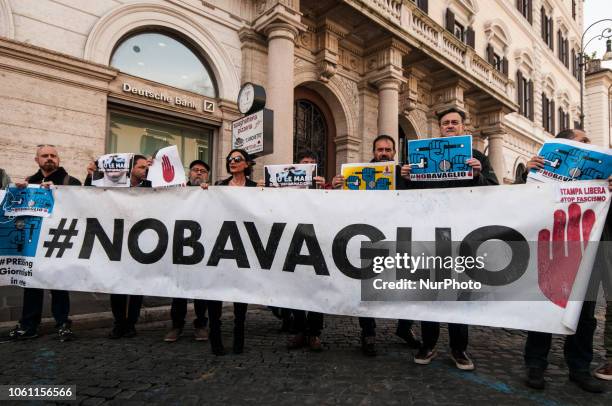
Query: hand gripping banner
x: 516, y: 256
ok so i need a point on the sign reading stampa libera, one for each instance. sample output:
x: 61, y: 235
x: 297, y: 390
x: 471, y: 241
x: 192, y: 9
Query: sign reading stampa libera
x: 317, y: 250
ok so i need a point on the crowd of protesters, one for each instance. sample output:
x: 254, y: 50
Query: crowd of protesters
x: 306, y: 327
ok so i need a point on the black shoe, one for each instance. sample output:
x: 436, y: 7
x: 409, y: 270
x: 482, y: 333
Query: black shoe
x: 238, y: 345
x: 368, y: 345
x: 116, y: 332
x: 65, y: 332
x: 19, y: 333
x: 535, y: 378
x: 129, y: 332
x: 409, y: 337
x: 216, y: 343
x: 586, y: 382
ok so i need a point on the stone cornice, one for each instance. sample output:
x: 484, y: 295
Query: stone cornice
x: 279, y: 16
x: 30, y: 59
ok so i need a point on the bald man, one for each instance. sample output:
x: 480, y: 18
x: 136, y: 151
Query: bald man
x: 49, y: 173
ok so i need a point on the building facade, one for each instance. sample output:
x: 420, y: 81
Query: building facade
x: 598, y: 101
x: 131, y: 76
x: 101, y: 76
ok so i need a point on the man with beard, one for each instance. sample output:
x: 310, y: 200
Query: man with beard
x: 49, y: 173
x: 198, y: 176
x: 383, y: 149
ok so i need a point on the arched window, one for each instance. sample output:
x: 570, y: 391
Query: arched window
x: 310, y: 132
x: 520, y: 171
x: 165, y: 59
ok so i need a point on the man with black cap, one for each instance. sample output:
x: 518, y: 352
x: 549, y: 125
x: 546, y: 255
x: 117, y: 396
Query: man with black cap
x: 198, y: 176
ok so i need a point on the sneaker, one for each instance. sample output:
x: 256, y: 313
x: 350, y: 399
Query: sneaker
x: 586, y: 382
x: 116, y: 332
x: 129, y: 332
x: 424, y: 356
x: 65, y: 332
x: 368, y: 345
x: 535, y: 378
x: 200, y: 334
x: 296, y: 341
x: 462, y: 360
x: 409, y: 337
x: 314, y: 343
x: 173, y: 335
x: 604, y: 372
x: 19, y: 333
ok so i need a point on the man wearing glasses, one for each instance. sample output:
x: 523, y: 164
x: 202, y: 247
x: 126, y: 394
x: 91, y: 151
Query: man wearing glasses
x: 451, y: 124
x: 198, y: 176
x: 49, y: 173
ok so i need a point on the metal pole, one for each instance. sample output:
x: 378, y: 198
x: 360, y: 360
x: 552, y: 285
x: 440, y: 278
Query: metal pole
x: 606, y: 33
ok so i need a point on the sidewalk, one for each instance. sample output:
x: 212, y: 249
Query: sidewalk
x: 146, y: 370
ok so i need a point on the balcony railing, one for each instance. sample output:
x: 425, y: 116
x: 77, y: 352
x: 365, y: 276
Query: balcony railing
x: 413, y: 21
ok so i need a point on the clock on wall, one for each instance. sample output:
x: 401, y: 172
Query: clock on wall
x: 251, y: 98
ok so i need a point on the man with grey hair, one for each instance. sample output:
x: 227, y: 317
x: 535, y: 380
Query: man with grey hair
x: 49, y: 173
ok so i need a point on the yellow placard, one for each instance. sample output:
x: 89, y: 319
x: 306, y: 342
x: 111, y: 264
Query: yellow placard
x: 369, y: 176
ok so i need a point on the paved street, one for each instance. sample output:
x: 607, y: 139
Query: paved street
x: 144, y: 369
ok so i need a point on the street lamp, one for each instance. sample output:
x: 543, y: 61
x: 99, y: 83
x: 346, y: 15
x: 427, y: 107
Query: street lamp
x: 606, y: 33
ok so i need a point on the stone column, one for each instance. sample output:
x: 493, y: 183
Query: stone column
x: 388, y: 107
x: 496, y: 155
x: 279, y: 89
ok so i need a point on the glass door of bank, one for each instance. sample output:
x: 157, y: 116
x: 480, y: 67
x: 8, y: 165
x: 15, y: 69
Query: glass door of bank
x: 143, y: 135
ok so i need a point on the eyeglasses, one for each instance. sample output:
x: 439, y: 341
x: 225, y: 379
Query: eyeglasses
x: 236, y: 159
x: 199, y: 170
x: 453, y: 122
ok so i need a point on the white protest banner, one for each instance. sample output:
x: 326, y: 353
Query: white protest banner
x: 290, y: 175
x: 167, y: 168
x: 567, y: 160
x: 113, y: 170
x: 303, y: 249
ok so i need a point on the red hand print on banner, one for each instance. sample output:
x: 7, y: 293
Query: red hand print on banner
x: 556, y: 275
x: 167, y: 169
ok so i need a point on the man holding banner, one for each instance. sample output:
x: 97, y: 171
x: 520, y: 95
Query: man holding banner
x: 198, y: 176
x: 578, y: 347
x: 126, y: 308
x: 383, y: 149
x: 49, y: 173
x: 451, y: 124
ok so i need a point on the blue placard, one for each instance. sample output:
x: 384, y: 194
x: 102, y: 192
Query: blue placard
x: 30, y: 201
x: 566, y: 160
x: 439, y: 159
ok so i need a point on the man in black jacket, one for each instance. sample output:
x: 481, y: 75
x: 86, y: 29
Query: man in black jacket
x: 451, y: 124
x: 198, y: 176
x: 49, y: 173
x: 578, y: 348
x: 383, y: 150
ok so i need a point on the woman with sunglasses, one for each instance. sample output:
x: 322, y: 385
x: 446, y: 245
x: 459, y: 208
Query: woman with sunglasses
x: 238, y: 165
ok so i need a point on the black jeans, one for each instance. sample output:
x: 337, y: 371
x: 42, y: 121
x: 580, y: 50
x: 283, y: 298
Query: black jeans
x: 403, y: 327
x: 126, y: 309
x: 178, y: 311
x: 457, y: 334
x: 215, y: 309
x: 309, y: 324
x: 578, y: 348
x: 33, y: 305
x: 368, y: 326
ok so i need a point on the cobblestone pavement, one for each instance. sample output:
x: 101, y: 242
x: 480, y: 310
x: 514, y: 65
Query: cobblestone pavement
x: 145, y: 370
